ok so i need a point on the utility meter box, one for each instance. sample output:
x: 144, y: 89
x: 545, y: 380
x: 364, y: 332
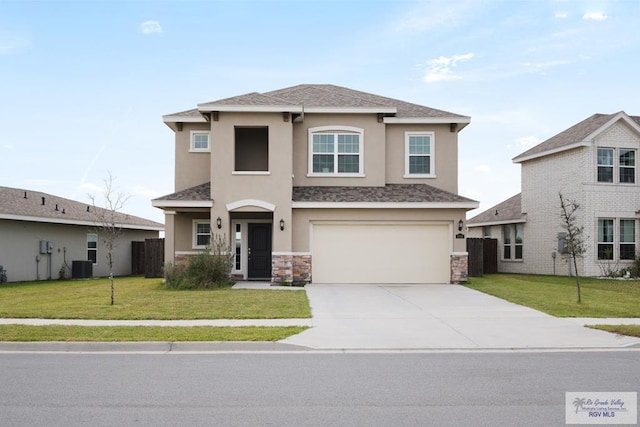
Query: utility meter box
x: 46, y: 247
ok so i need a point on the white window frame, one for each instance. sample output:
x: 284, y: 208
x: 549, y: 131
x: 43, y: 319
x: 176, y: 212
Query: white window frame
x: 336, y: 130
x: 194, y: 233
x: 622, y: 243
x: 603, y: 242
x: 633, y: 167
x: 513, y: 245
x: 616, y: 166
x: 95, y: 236
x: 192, y: 142
x: 432, y: 154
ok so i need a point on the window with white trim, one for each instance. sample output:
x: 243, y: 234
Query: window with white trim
x: 627, y: 239
x: 622, y: 159
x: 512, y: 239
x: 336, y: 151
x: 199, y: 141
x: 419, y: 154
x: 605, y: 239
x: 201, y: 233
x: 92, y: 247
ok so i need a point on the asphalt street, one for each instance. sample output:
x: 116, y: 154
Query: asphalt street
x: 305, y: 389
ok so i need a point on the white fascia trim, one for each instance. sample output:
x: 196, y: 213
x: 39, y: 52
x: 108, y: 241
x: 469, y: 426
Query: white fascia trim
x: 251, y: 202
x: 252, y: 108
x: 183, y: 119
x: 549, y: 152
x: 427, y: 120
x: 75, y: 222
x: 182, y: 203
x: 352, y: 110
x: 254, y: 173
x: 505, y: 222
x: 621, y: 115
x: 385, y: 205
x: 460, y: 253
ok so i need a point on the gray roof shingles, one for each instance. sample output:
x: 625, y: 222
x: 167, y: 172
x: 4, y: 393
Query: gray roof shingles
x: 14, y: 202
x: 326, y: 95
x: 575, y: 134
x: 395, y: 193
x: 509, y: 210
x: 198, y: 193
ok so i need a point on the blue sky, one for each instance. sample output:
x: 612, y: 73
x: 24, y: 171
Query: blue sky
x: 84, y: 84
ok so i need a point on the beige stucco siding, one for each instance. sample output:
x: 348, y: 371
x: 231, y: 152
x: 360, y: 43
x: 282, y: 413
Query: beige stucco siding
x: 183, y: 229
x: 373, y: 150
x: 445, y: 150
x: 21, y: 245
x: 192, y: 168
x: 272, y: 186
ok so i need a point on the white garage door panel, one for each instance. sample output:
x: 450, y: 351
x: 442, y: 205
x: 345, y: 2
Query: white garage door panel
x: 393, y: 253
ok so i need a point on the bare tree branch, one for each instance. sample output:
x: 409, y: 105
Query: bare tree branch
x: 575, y: 240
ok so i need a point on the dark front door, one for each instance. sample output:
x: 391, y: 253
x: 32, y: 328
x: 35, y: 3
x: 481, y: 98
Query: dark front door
x: 259, y: 251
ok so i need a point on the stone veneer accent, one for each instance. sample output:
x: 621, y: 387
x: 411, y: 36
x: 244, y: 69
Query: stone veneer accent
x: 290, y: 268
x: 459, y: 267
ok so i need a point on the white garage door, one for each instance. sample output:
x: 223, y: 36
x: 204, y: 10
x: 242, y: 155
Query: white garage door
x: 377, y: 253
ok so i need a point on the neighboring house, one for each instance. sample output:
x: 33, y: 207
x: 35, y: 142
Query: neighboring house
x: 592, y: 163
x: 40, y: 232
x: 320, y: 182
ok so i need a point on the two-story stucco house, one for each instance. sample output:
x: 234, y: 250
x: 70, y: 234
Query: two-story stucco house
x: 592, y: 163
x: 322, y: 183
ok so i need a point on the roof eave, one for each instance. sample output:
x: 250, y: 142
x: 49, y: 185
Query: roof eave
x: 80, y: 222
x: 459, y: 120
x: 386, y: 205
x: 520, y: 159
x: 500, y: 222
x: 162, y: 204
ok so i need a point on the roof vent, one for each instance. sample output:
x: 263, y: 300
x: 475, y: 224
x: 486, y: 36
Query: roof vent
x: 25, y: 195
x: 63, y: 211
x: 43, y: 201
x: 87, y: 208
x: 56, y: 207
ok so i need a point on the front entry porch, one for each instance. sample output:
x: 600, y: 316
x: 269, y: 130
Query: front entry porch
x: 251, y: 241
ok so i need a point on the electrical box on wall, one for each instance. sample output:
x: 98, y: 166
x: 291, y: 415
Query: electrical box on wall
x: 46, y: 247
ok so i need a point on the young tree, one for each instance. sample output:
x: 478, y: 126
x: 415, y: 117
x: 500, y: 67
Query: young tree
x: 109, y: 222
x: 575, y: 240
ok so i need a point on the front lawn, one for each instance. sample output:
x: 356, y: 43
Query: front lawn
x: 29, y: 333
x: 140, y: 298
x: 556, y: 295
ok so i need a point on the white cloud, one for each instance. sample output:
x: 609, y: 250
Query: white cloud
x: 145, y: 192
x: 482, y: 169
x: 561, y: 15
x: 594, y: 16
x: 527, y: 142
x: 151, y: 27
x: 441, y: 69
x: 13, y: 44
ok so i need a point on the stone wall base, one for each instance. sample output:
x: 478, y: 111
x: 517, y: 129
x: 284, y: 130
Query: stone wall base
x: 290, y: 268
x: 459, y: 267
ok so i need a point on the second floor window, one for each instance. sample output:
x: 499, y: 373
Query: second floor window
x: 419, y: 155
x: 199, y: 141
x: 624, y: 163
x: 335, y: 151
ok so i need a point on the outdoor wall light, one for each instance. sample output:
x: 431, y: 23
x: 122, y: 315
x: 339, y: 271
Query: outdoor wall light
x: 219, y: 222
x: 460, y: 224
x: 281, y: 224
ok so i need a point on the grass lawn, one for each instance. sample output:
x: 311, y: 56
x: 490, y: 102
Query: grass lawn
x: 140, y: 298
x: 631, y: 330
x: 27, y: 333
x: 557, y: 295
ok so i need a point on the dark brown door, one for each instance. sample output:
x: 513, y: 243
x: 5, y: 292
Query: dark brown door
x: 259, y: 251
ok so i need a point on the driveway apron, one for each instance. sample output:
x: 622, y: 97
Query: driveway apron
x: 436, y: 317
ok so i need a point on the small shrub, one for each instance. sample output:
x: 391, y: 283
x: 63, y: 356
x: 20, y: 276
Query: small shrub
x: 208, y: 269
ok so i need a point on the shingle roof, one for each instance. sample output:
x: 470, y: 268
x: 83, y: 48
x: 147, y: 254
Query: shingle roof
x: 395, y: 193
x: 17, y: 203
x: 326, y: 95
x: 575, y: 134
x: 200, y: 192
x: 509, y: 210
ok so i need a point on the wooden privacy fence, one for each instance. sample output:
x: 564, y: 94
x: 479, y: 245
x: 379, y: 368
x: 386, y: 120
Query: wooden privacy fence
x: 483, y: 256
x: 147, y: 257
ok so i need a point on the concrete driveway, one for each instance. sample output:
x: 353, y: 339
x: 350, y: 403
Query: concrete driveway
x: 436, y: 317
